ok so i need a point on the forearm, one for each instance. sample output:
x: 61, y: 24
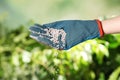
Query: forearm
x: 111, y: 26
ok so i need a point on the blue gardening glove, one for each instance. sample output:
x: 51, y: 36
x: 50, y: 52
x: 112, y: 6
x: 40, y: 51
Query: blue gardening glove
x: 65, y: 34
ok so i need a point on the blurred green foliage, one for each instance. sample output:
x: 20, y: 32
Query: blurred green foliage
x: 22, y: 58
x: 20, y: 12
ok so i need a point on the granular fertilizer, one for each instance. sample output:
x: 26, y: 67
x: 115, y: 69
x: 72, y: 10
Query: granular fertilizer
x: 56, y: 36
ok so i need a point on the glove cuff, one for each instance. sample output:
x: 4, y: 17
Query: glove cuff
x: 100, y: 28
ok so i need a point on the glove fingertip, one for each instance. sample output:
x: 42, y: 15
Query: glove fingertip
x: 33, y: 37
x: 36, y: 24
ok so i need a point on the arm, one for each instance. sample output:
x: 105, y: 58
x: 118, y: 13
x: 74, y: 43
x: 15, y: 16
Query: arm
x: 111, y: 26
x: 68, y: 33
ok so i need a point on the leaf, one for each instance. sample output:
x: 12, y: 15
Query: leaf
x: 115, y: 74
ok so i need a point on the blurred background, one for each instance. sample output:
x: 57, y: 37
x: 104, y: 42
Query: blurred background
x: 22, y: 58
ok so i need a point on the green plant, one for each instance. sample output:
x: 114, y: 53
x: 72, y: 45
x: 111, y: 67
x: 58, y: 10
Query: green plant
x: 26, y: 59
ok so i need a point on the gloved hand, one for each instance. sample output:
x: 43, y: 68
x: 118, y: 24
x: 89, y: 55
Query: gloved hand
x: 65, y: 34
